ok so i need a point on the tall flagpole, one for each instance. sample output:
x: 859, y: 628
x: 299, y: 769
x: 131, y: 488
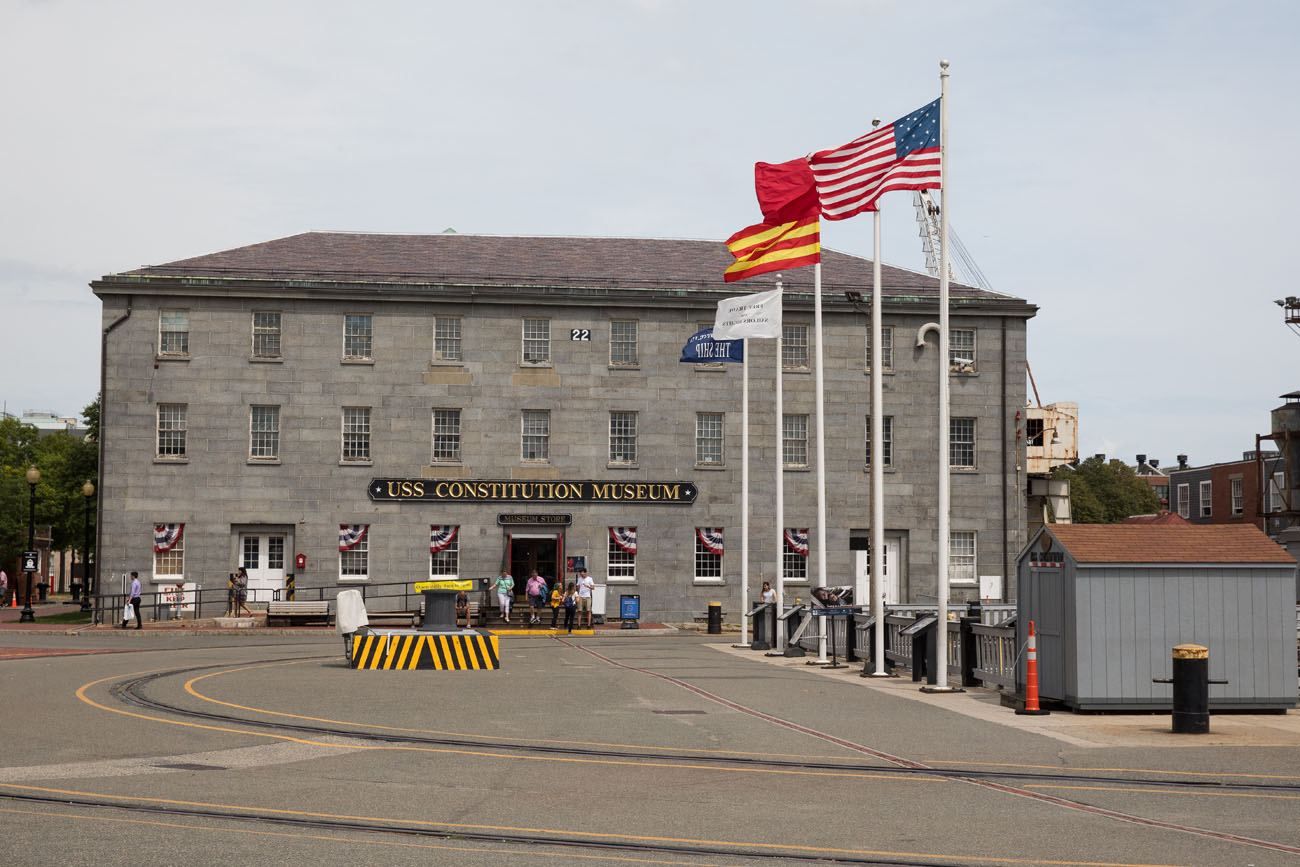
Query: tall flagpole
x: 780, y: 483
x: 744, y: 492
x: 944, y: 462
x: 877, y: 589
x: 821, y: 453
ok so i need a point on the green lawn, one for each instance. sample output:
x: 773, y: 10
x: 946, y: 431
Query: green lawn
x: 73, y: 615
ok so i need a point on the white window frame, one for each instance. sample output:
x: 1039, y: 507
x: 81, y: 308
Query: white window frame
x: 794, y: 441
x: 445, y: 563
x: 622, y: 437
x: 1205, y: 499
x: 183, y: 351
x: 796, y: 346
x: 354, y: 434
x: 705, y: 439
x: 963, y: 560
x: 1184, y: 500
x: 272, y: 435
x: 708, y: 566
x: 266, y: 334
x: 172, y: 422
x: 448, y: 347
x: 955, y: 443
x: 446, y: 439
x: 1275, y: 492
x: 362, y: 346
x: 887, y: 442
x: 540, y: 433
x: 535, y: 346
x: 628, y: 354
x: 356, y: 558
x: 1238, y: 496
x: 170, y: 564
x: 965, y: 350
x: 620, y: 566
x: 886, y: 349
x: 794, y: 566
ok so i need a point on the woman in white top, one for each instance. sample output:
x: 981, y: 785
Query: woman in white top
x: 768, y: 594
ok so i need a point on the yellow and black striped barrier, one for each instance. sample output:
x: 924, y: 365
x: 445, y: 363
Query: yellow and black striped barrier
x: 441, y: 652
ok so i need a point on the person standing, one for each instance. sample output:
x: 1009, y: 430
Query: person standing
x: 768, y: 595
x: 230, y: 594
x: 536, y: 590
x: 134, y: 593
x: 462, y: 609
x: 557, y: 602
x: 4, y: 587
x: 241, y: 592
x: 586, y: 584
x: 570, y: 606
x: 505, y: 585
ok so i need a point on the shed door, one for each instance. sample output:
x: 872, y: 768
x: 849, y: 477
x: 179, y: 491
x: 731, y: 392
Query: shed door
x: 1049, y: 625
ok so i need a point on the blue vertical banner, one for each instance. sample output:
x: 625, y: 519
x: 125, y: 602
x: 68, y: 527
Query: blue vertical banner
x: 703, y: 349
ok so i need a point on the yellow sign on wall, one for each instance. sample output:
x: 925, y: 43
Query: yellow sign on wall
x: 466, y: 584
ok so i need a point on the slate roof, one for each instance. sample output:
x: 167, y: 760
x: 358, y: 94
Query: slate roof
x: 1170, y: 543
x: 528, y: 261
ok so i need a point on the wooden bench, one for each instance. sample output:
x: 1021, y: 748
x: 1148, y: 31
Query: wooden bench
x: 475, y: 616
x: 290, y: 611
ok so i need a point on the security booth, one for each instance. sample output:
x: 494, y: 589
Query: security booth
x: 1110, y: 601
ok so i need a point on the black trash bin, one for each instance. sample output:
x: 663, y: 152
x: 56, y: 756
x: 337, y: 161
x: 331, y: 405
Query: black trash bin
x: 42, y: 591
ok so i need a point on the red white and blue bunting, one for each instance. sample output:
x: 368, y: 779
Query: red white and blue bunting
x: 351, y: 535
x: 796, y: 541
x: 165, y: 537
x: 624, y: 538
x: 441, y: 536
x: 710, y: 538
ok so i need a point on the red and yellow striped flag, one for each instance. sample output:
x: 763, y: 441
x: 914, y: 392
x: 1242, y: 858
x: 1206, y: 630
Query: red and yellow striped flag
x: 765, y: 248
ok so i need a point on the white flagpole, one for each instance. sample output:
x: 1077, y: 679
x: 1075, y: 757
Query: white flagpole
x: 941, y: 657
x: 744, y: 492
x: 780, y: 484
x: 877, y: 590
x: 821, y: 452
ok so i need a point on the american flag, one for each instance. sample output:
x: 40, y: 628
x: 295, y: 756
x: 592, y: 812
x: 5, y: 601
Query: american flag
x: 903, y: 155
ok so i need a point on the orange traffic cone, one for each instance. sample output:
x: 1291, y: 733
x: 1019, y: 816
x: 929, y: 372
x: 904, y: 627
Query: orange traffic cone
x: 13, y: 600
x: 1031, y: 707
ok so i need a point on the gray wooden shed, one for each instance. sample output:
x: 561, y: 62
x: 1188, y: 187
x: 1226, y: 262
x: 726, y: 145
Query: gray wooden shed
x: 1110, y: 601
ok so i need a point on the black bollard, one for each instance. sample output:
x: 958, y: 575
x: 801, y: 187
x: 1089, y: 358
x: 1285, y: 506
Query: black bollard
x: 1191, y: 682
x: 761, y: 641
x: 715, y: 618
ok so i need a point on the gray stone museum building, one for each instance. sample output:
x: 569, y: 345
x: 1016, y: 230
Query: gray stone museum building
x: 354, y: 408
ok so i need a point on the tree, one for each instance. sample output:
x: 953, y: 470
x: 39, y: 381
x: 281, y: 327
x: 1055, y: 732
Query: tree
x: 1106, y: 492
x: 90, y: 413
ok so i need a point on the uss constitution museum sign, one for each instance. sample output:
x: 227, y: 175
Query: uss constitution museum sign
x: 515, y: 491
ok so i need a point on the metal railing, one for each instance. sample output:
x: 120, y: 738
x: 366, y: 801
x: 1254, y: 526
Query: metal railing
x: 995, y: 655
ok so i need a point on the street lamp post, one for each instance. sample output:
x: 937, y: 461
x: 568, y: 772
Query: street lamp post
x: 33, y: 476
x: 87, y: 491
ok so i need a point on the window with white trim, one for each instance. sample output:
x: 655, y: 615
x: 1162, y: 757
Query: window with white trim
x: 794, y: 347
x: 886, y: 347
x: 1275, y: 493
x: 961, y: 350
x: 961, y: 443
x: 174, y: 333
x: 535, y: 439
x: 264, y: 432
x: 354, y: 562
x: 446, y: 338
x: 708, y: 563
x: 172, y: 429
x: 1204, y: 494
x: 358, y: 336
x: 794, y: 564
x: 1238, y: 497
x: 446, y: 436
x: 356, y: 433
x: 708, y: 439
x: 794, y: 440
x: 886, y: 442
x: 170, y: 564
x: 622, y: 343
x: 266, y: 334
x: 622, y: 437
x: 537, y: 341
x: 445, y: 562
x: 961, y: 557
x: 621, y: 562
x: 1184, y: 497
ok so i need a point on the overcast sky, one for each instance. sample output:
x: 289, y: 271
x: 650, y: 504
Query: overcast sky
x: 1122, y: 165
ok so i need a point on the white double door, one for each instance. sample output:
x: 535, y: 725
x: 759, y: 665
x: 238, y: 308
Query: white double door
x: 890, y: 583
x: 262, y: 554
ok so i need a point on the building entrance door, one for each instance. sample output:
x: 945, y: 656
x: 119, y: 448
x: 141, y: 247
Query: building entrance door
x: 533, y: 552
x: 262, y: 554
x: 891, y: 580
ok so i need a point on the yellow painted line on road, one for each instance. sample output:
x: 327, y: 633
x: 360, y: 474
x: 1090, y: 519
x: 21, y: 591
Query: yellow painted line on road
x: 1085, y: 769
x: 487, y: 754
x: 590, y: 835
x: 1198, y: 793
x: 348, y: 841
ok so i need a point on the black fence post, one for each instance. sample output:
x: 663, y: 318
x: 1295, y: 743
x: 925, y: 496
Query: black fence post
x: 969, y: 650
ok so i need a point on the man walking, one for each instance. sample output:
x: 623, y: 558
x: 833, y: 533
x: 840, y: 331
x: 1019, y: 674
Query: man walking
x: 135, y: 600
x: 585, y: 585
